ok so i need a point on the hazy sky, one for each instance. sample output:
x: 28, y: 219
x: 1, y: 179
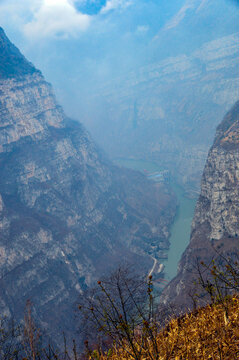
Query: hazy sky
x: 91, y: 28
x: 38, y: 19
x: 81, y: 43
x: 56, y: 18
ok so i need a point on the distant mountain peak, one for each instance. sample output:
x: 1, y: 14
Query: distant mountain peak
x: 185, y: 11
x: 12, y: 62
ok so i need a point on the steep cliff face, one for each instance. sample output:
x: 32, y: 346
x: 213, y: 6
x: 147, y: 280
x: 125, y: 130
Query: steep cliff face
x: 66, y: 213
x: 216, y: 219
x: 168, y: 111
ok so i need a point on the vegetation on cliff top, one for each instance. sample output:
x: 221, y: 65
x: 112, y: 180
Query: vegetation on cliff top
x: 12, y: 62
x: 204, y: 334
x: 124, y: 322
x: 209, y: 332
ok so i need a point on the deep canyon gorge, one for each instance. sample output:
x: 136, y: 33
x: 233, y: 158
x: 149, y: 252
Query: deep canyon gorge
x: 140, y: 167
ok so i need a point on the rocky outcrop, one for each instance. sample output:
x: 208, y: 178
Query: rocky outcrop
x: 216, y: 219
x: 67, y: 215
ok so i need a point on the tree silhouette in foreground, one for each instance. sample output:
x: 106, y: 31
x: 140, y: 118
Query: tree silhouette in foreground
x: 121, y: 310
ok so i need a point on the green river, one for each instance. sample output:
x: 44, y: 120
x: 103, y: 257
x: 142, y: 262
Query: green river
x: 181, y: 227
x: 180, y: 231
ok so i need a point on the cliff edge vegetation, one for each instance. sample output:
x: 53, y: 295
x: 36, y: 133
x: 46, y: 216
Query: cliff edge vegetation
x: 203, y: 334
x: 12, y: 62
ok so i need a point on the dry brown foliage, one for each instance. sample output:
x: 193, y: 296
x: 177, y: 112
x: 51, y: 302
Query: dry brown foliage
x: 205, y: 334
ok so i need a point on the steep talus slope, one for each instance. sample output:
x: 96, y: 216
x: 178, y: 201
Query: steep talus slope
x: 216, y: 219
x: 66, y: 213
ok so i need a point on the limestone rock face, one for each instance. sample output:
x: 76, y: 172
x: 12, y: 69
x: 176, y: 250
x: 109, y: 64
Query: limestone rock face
x: 28, y: 107
x: 216, y: 219
x: 67, y: 215
x: 169, y: 109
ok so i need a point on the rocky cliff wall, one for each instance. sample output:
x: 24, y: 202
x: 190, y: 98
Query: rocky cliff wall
x: 168, y: 111
x: 216, y: 220
x: 67, y: 215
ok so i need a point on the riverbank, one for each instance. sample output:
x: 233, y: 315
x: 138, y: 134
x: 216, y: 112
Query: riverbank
x: 180, y: 231
x: 181, y: 226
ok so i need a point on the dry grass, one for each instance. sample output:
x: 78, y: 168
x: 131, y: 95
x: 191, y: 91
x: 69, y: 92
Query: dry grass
x: 206, y: 334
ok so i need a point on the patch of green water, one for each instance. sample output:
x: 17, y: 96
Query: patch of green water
x: 181, y: 227
x: 180, y: 231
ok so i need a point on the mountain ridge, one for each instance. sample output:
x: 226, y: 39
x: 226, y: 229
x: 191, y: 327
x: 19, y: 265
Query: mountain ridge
x: 12, y: 62
x: 167, y: 110
x: 67, y: 214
